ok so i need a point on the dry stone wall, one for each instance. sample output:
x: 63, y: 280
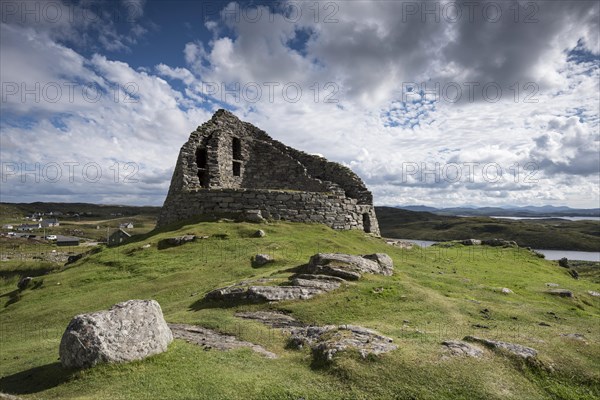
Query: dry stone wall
x: 332, y: 209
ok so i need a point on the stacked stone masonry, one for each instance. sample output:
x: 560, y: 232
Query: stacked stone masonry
x: 228, y: 166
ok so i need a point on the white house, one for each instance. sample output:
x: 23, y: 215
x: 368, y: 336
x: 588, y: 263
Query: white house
x: 28, y: 227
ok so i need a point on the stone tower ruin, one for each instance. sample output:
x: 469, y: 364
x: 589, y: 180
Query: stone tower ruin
x: 231, y: 167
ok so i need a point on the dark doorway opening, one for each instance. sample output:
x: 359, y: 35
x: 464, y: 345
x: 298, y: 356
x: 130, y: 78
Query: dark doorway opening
x: 366, y: 223
x: 201, y: 163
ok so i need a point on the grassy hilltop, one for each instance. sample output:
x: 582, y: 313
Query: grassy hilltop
x: 434, y: 295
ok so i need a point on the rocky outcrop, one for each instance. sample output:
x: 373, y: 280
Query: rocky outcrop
x: 403, y: 244
x: 574, y: 336
x: 564, y: 262
x: 322, y: 282
x: 471, y: 242
x: 74, y: 258
x: 324, y: 272
x: 176, y: 241
x: 326, y: 341
x: 128, y: 331
x: 499, y: 243
x: 256, y: 294
x: 513, y: 349
x: 560, y: 292
x: 349, y: 267
x: 462, y: 348
x: 210, y: 339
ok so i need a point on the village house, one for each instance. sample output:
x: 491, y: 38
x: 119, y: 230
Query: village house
x: 118, y: 237
x: 49, y: 222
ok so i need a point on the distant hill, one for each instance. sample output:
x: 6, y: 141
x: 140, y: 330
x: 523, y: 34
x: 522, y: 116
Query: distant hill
x: 527, y: 211
x: 85, y: 210
x: 551, y: 233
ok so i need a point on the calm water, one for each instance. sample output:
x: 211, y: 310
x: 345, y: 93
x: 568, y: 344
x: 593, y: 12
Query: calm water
x: 566, y: 218
x: 550, y: 254
x: 571, y: 255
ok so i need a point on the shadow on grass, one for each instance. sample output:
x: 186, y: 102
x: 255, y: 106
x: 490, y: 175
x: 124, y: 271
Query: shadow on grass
x: 21, y: 273
x: 35, y: 380
x: 13, y: 297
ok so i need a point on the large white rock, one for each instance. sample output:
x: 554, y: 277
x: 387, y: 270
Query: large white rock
x: 129, y: 331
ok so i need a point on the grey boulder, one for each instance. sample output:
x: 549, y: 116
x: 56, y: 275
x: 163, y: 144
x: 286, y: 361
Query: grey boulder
x: 128, y: 331
x: 262, y: 259
x: 348, y: 266
x: 176, y: 241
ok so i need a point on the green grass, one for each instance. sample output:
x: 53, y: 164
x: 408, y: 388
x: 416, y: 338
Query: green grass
x: 441, y: 292
x: 540, y: 234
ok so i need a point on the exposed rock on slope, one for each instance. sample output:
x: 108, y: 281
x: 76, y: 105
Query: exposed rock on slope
x: 326, y: 341
x: 349, y: 267
x: 518, y: 350
x: 271, y: 318
x: 128, y: 331
x: 210, y: 339
x: 461, y: 348
x: 324, y: 272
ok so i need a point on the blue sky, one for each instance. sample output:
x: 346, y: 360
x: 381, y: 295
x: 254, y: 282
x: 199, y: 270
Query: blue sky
x: 437, y: 103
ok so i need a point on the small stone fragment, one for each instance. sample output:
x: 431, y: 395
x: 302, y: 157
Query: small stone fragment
x: 262, y: 259
x: 24, y: 282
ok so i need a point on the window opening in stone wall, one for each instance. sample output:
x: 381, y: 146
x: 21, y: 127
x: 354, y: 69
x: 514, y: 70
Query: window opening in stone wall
x: 236, y: 146
x: 201, y: 163
x: 367, y: 223
x: 236, y: 150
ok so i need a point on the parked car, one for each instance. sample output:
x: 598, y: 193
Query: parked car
x: 51, y: 237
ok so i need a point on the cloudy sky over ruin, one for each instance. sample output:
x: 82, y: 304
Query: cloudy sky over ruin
x: 437, y: 103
